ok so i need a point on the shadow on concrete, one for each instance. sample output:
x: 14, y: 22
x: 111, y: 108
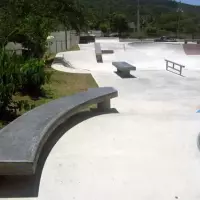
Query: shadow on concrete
x: 107, y: 51
x: 28, y: 186
x: 174, y: 72
x: 62, y: 61
x: 198, y: 141
x: 125, y: 76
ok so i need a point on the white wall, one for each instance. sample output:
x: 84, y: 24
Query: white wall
x: 63, y: 41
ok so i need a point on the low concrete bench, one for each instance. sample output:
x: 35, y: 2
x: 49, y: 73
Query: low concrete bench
x: 98, y: 52
x: 173, y: 66
x: 107, y: 51
x: 123, y: 68
x: 22, y: 141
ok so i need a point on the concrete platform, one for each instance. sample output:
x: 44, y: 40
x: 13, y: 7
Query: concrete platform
x: 133, y: 156
x: 146, y: 150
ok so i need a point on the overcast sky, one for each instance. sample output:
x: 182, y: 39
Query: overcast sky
x: 195, y: 2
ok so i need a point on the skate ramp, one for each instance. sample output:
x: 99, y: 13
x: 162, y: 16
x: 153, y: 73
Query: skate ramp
x: 145, y: 56
x: 159, y: 49
x: 191, y: 49
x: 152, y: 54
x: 168, y: 48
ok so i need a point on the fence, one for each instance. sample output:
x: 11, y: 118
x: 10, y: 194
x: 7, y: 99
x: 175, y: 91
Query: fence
x: 57, y: 46
x: 63, y: 40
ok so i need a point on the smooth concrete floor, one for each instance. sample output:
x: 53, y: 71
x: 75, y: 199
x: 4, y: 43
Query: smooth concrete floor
x: 119, y: 156
x: 146, y: 150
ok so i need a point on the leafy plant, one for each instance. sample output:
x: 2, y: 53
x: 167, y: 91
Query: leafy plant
x: 33, y: 76
x: 141, y: 36
x: 104, y: 27
x: 119, y: 23
x: 151, y: 31
x: 9, y: 78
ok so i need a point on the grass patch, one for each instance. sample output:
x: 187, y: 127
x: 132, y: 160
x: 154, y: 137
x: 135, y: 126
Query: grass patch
x: 61, y: 84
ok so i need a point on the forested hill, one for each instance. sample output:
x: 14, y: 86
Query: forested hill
x: 129, y: 6
x: 159, y: 14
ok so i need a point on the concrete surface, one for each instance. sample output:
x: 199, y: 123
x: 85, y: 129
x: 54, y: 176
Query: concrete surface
x: 145, y: 55
x: 146, y: 151
x: 134, y: 157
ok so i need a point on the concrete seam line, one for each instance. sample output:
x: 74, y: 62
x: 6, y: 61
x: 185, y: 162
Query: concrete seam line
x: 198, y: 141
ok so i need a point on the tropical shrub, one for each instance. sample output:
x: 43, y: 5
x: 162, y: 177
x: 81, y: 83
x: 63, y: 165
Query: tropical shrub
x: 33, y: 76
x: 9, y: 78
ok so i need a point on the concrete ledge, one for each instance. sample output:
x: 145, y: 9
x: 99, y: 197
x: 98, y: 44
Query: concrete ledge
x: 99, y: 58
x: 98, y: 52
x: 123, y: 66
x: 21, y: 142
x: 107, y: 51
x: 61, y: 60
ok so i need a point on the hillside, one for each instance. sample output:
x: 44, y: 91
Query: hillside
x: 159, y: 14
x: 146, y: 5
x: 129, y: 7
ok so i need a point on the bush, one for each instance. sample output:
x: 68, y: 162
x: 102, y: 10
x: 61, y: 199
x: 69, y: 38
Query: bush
x: 33, y: 76
x: 17, y: 74
x: 9, y: 78
x: 49, y: 58
x: 141, y: 36
x: 151, y: 31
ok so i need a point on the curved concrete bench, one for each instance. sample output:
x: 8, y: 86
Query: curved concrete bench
x: 21, y: 142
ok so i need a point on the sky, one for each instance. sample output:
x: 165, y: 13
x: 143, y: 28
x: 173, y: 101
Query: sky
x: 194, y: 2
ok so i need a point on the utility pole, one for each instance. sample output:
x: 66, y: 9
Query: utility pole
x: 179, y: 10
x: 110, y: 14
x: 138, y: 16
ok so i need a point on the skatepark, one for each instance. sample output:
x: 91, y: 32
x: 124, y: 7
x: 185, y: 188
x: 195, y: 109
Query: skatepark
x: 148, y: 148
x: 145, y: 55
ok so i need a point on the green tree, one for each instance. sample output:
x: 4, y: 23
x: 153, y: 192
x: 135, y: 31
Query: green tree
x: 104, y: 27
x: 119, y: 23
x: 30, y: 21
x: 152, y: 31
